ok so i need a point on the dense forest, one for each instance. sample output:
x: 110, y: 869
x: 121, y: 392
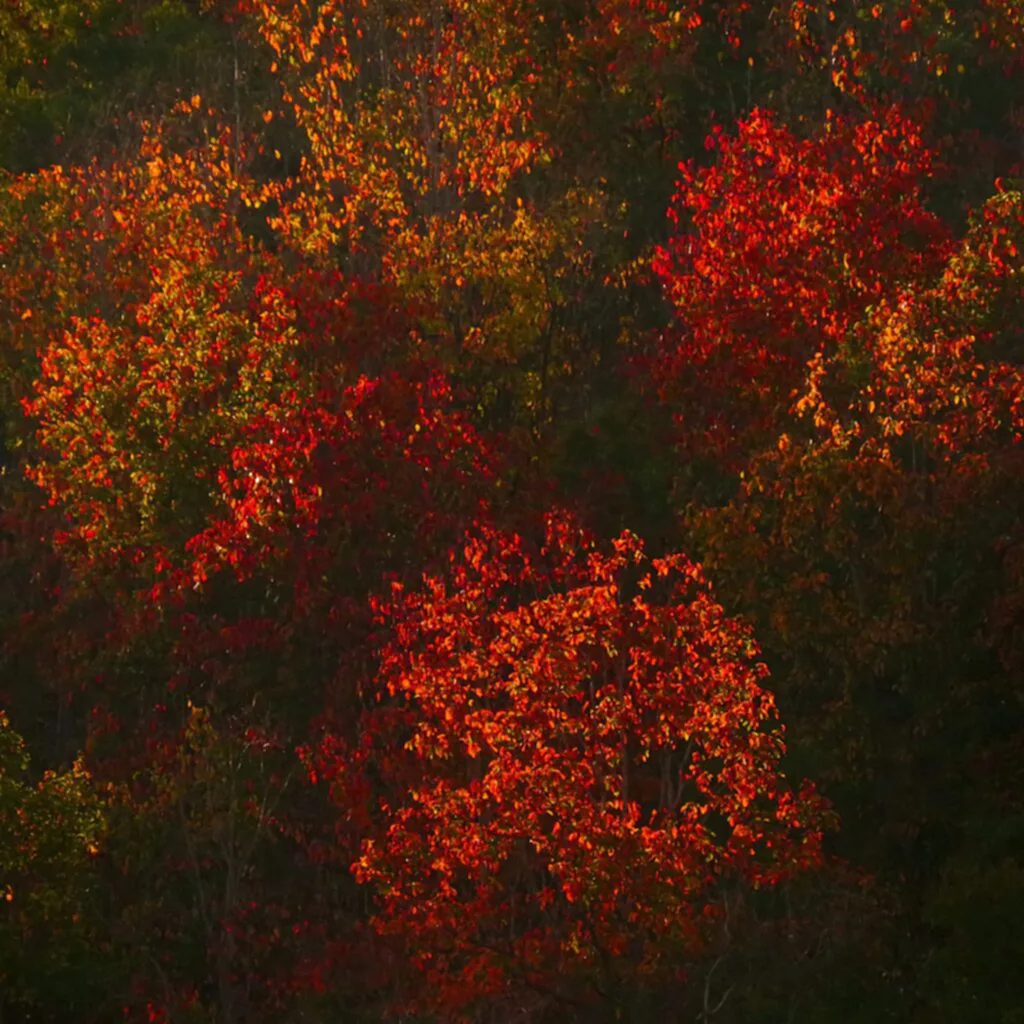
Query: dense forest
x: 512, y: 510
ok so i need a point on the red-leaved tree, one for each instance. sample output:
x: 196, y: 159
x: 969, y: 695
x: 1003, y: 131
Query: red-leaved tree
x: 779, y: 248
x: 593, y: 773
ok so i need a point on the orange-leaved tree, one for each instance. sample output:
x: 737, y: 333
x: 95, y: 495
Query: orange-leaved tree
x: 593, y: 774
x: 236, y: 446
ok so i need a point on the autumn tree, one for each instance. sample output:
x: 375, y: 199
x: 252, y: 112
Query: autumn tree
x: 222, y: 431
x: 780, y: 247
x: 595, y: 766
x: 882, y: 527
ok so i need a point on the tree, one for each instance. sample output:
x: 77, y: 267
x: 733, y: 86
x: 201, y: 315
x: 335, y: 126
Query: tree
x: 51, y: 832
x: 874, y: 549
x: 593, y: 776
x: 779, y: 248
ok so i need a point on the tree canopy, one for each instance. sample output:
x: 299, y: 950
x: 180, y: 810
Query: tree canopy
x: 511, y: 511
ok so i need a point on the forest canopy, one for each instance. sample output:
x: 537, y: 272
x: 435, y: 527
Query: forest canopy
x: 511, y: 510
